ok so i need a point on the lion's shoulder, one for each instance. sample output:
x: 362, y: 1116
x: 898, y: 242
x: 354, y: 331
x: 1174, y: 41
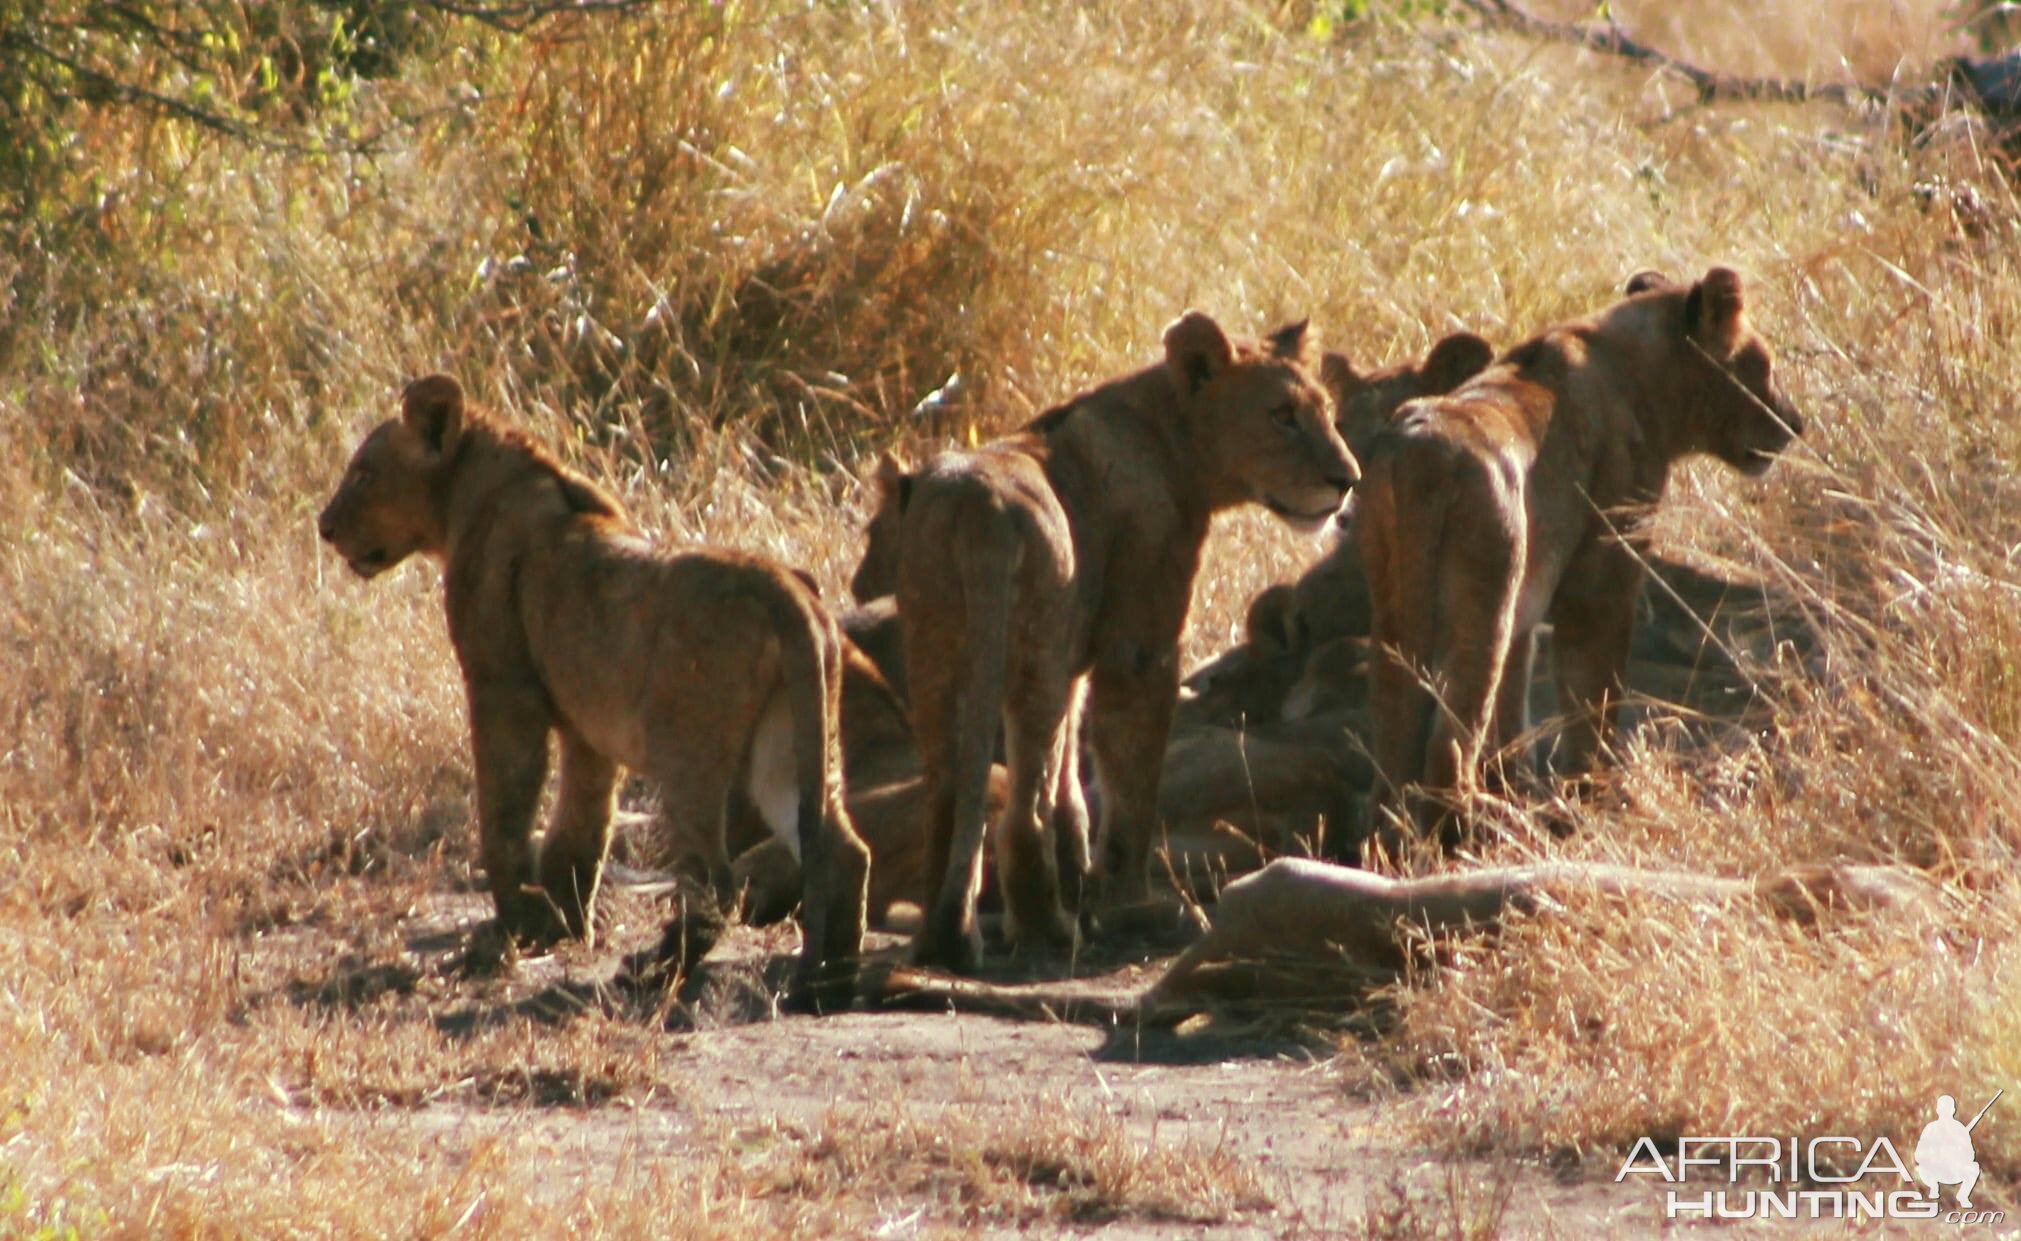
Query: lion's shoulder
x: 529, y: 458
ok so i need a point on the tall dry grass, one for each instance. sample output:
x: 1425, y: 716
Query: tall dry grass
x: 716, y: 255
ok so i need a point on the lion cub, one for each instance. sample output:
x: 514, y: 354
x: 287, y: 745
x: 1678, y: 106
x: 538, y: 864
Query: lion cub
x: 1516, y: 499
x: 1064, y: 555
x: 701, y: 669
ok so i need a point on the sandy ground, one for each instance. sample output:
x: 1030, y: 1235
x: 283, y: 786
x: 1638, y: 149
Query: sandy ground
x: 1320, y: 1159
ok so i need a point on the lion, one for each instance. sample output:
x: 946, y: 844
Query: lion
x: 1365, y: 403
x: 1062, y: 557
x: 881, y: 776
x: 1289, y: 622
x: 1515, y: 500
x: 706, y: 670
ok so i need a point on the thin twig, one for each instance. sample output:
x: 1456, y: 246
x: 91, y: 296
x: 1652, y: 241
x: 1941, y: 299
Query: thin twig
x: 65, y: 75
x: 1612, y: 39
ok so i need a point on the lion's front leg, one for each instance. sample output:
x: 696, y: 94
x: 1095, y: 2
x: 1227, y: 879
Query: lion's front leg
x: 509, y: 727
x: 572, y: 857
x: 1130, y: 719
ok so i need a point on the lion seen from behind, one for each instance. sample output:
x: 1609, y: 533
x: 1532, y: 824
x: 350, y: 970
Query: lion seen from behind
x: 1060, y: 560
x: 1515, y: 500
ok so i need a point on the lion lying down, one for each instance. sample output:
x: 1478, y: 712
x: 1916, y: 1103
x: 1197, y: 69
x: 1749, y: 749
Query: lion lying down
x: 1273, y: 736
x: 1269, y: 751
x: 1272, y: 739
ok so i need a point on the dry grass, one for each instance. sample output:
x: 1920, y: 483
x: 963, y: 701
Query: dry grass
x: 1439, y: 1203
x: 717, y: 254
x: 1059, y: 1165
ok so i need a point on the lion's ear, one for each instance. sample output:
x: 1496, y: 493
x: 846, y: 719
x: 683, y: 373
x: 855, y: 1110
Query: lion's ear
x: 1455, y: 360
x: 1715, y: 312
x: 1337, y: 374
x: 1196, y: 350
x: 1646, y: 279
x: 891, y: 468
x: 893, y: 480
x: 1272, y: 620
x: 1291, y: 341
x: 432, y: 407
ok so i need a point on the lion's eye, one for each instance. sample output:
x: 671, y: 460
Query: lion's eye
x: 1286, y: 417
x: 362, y: 477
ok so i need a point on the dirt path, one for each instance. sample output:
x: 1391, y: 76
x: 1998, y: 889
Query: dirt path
x: 904, y: 1124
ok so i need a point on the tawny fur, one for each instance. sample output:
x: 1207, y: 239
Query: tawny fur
x: 701, y: 669
x: 1287, y: 623
x: 1270, y: 737
x: 1061, y: 557
x: 1517, y: 499
x: 886, y: 792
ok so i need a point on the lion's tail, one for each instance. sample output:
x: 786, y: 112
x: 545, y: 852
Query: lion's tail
x: 834, y: 865
x: 810, y: 665
x: 987, y: 586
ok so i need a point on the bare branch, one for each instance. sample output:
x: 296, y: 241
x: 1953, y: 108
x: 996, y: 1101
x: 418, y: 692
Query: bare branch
x: 55, y: 53
x: 1612, y: 39
x: 106, y: 86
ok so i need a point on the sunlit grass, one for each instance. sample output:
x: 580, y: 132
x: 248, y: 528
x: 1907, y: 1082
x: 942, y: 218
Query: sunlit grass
x: 716, y: 255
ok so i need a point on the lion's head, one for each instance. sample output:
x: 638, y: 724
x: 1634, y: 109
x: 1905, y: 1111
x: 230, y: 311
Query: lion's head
x: 1247, y: 683
x: 386, y: 506
x: 1741, y: 415
x: 1362, y: 404
x: 1260, y: 419
x: 877, y: 573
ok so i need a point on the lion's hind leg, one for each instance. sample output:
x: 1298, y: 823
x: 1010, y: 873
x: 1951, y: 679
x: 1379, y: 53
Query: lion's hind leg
x: 1594, y: 617
x: 1512, y: 768
x: 948, y: 938
x: 572, y: 856
x: 1403, y: 617
x: 1479, y: 584
x: 956, y: 715
x: 1038, y: 719
x: 835, y: 870
x: 695, y: 779
x: 1070, y: 807
x: 1401, y: 708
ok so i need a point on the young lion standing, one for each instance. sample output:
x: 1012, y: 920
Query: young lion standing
x: 1514, y: 499
x: 700, y: 669
x: 1063, y: 555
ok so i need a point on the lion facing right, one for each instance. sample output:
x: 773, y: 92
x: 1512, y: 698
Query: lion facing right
x: 1516, y: 499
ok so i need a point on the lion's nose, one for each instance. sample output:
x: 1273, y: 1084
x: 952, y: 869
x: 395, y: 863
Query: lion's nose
x: 1343, y: 481
x: 326, y: 528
